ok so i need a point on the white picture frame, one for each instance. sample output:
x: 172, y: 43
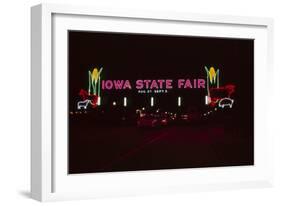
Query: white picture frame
x: 49, y: 181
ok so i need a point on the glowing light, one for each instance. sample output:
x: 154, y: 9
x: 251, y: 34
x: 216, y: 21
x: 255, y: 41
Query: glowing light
x: 83, y: 104
x: 114, y: 103
x: 89, y: 83
x: 212, y: 75
x: 179, y: 101
x: 125, y: 101
x: 95, y: 74
x: 152, y: 101
x: 164, y: 121
x: 206, y: 100
x: 212, y: 78
x: 142, y: 114
x: 99, y: 89
x: 94, y: 81
x: 226, y: 102
x: 143, y: 108
x: 99, y: 101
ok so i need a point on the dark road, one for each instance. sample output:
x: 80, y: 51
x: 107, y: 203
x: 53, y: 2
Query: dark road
x: 170, y: 147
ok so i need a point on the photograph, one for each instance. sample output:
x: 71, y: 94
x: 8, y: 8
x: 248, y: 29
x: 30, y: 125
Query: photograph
x: 139, y: 101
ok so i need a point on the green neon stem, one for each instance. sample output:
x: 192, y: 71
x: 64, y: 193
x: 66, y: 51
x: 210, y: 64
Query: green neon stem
x: 218, y: 79
x: 94, y: 87
x: 99, y: 87
x: 89, y: 83
x: 206, y: 69
x: 99, y: 84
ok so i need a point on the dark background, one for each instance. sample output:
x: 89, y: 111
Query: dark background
x: 138, y: 56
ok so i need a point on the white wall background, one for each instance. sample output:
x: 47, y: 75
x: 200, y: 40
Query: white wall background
x: 15, y: 102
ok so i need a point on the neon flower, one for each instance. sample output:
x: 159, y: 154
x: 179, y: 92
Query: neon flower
x: 87, y: 99
x: 230, y: 88
x: 83, y: 94
x: 94, y: 81
x: 212, y: 75
x: 212, y: 78
x: 94, y: 100
x: 95, y: 75
x: 91, y: 97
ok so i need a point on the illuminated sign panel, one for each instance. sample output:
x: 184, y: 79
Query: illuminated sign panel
x: 144, y: 102
x: 153, y: 84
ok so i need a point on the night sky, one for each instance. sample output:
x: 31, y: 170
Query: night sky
x: 137, y: 56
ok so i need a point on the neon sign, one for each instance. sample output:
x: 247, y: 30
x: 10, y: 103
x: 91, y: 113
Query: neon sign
x: 212, y: 78
x: 216, y: 94
x: 153, y: 84
x: 226, y: 102
x: 179, y: 101
x: 83, y: 104
x: 148, y: 86
x: 91, y: 97
x: 151, y: 101
x: 125, y: 101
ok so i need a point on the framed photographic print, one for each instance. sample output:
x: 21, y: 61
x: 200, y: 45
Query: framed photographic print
x: 134, y: 102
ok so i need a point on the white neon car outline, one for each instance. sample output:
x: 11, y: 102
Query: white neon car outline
x: 222, y: 105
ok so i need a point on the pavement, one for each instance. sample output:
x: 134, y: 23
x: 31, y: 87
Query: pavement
x: 129, y: 148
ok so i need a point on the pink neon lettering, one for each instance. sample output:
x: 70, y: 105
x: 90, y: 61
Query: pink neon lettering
x: 169, y: 84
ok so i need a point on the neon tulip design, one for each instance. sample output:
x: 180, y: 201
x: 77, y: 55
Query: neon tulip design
x: 91, y: 97
x: 94, y: 81
x: 212, y: 78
